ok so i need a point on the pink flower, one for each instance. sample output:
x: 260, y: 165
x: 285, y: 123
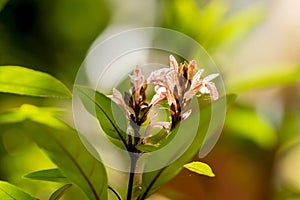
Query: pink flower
x: 185, y: 79
x: 178, y: 84
x: 204, y: 86
x: 137, y: 81
x: 118, y: 99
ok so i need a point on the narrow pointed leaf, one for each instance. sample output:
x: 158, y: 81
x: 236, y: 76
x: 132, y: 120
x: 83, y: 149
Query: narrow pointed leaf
x: 53, y: 175
x: 110, y: 116
x: 65, y: 149
x: 60, y: 192
x: 200, y: 168
x: 24, y: 81
x: 11, y: 192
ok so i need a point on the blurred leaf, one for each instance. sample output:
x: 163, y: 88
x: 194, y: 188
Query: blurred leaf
x: 209, y: 23
x: 110, y: 116
x: 53, y: 175
x: 246, y: 123
x: 198, y: 22
x: 24, y: 81
x: 60, y: 192
x: 237, y: 25
x: 154, y: 179
x: 200, y: 168
x: 65, y: 149
x: 8, y: 191
x: 211, y: 17
x: 43, y: 115
x: 2, y: 4
x: 274, y: 76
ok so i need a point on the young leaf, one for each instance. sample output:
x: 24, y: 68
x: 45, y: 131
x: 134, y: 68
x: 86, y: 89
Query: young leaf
x: 53, y: 175
x: 154, y: 179
x: 110, y: 116
x: 65, y: 149
x: 200, y: 168
x: 24, y: 81
x: 8, y: 191
x: 59, y: 193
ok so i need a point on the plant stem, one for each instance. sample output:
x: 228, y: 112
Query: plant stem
x: 133, y: 160
x: 115, y: 193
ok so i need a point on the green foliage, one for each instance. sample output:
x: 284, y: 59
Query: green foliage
x: 72, y: 158
x: 60, y: 192
x: 146, y: 148
x: 237, y: 25
x: 246, y: 123
x: 110, y: 116
x: 200, y: 168
x: 210, y: 24
x: 43, y: 115
x: 24, y: 81
x: 53, y: 175
x: 8, y: 191
x: 273, y: 76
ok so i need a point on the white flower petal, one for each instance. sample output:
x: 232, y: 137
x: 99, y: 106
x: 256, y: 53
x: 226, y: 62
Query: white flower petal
x: 197, y: 75
x: 157, y: 98
x: 164, y: 125
x: 204, y: 90
x: 213, y: 91
x: 173, y: 63
x: 118, y: 99
x: 210, y: 77
x: 189, y: 94
x: 186, y: 114
x: 158, y: 76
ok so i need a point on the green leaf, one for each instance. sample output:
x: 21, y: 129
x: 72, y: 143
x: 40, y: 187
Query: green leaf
x: 272, y: 76
x: 200, y: 168
x: 8, y: 191
x: 65, y: 149
x: 248, y: 124
x: 2, y: 4
x: 24, y: 81
x: 53, y: 175
x: 146, y: 148
x: 154, y: 179
x: 60, y: 192
x: 43, y: 115
x: 110, y: 116
x: 237, y: 25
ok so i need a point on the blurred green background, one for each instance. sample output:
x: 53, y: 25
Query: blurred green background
x: 256, y: 45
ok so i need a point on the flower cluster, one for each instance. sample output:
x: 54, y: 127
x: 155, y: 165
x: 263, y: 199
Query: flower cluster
x: 176, y: 84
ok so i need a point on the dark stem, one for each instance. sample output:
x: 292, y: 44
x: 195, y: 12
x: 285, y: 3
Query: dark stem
x: 117, y: 195
x: 144, y: 195
x: 133, y: 160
